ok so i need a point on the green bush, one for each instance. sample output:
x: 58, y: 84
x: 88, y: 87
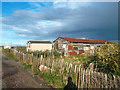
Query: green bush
x: 109, y: 58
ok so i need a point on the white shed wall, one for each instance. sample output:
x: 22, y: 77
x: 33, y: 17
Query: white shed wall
x: 40, y: 46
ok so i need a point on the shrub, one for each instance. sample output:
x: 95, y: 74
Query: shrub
x: 109, y: 58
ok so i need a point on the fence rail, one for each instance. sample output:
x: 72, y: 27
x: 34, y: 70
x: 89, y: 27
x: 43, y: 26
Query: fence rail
x: 82, y: 78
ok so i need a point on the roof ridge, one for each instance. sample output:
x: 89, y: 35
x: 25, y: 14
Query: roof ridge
x: 39, y: 41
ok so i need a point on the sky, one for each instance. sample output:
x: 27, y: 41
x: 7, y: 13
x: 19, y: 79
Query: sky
x: 46, y: 21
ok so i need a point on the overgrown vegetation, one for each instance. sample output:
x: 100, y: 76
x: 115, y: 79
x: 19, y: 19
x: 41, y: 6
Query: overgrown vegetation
x: 81, y: 59
x: 27, y: 66
x: 22, y: 49
x: 6, y: 52
x: 46, y: 54
x: 109, y: 58
x: 53, y: 80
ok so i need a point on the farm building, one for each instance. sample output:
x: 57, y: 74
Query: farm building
x: 74, y: 47
x: 39, y: 45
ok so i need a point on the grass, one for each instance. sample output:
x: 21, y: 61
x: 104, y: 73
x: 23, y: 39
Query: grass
x: 80, y: 59
x: 55, y: 81
x: 26, y: 66
x: 37, y: 72
x: 10, y: 55
x: 14, y: 58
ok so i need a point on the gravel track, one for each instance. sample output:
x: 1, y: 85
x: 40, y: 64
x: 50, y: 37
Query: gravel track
x: 14, y: 76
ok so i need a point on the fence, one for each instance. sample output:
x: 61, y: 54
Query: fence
x: 82, y: 78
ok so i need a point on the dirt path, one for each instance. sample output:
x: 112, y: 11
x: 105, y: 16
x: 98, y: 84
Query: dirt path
x: 14, y: 76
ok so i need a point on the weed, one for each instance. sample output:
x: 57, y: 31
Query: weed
x: 27, y: 67
x: 37, y: 72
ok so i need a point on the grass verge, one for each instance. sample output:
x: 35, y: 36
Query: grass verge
x: 53, y: 80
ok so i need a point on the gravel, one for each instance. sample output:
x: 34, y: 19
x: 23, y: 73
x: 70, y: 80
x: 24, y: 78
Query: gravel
x: 14, y: 76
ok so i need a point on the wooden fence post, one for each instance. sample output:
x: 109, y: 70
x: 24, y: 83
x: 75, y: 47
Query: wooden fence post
x: 41, y: 57
x: 23, y: 57
x: 102, y: 80
x: 76, y: 74
x: 79, y: 76
x: 99, y: 77
x: 106, y: 84
x: 83, y: 80
x: 44, y: 54
x: 89, y: 82
x: 115, y: 81
x: 119, y: 82
x: 95, y: 79
x: 111, y: 82
x: 87, y: 79
x: 92, y: 79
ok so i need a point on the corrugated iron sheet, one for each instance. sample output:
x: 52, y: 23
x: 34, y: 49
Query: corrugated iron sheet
x: 70, y: 47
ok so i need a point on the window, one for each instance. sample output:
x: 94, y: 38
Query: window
x: 80, y: 48
x: 75, y: 48
x: 87, y: 45
x: 98, y: 46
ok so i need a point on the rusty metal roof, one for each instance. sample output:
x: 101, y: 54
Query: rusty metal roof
x: 85, y: 40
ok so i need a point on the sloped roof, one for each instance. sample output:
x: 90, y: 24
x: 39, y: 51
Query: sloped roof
x: 84, y: 40
x: 39, y: 41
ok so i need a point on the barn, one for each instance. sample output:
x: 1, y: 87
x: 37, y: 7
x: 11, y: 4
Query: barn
x: 74, y: 47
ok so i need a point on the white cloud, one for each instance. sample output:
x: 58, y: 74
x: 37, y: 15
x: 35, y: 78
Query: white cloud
x: 71, y: 5
x: 22, y: 35
x: 16, y: 28
x: 17, y: 43
x: 83, y: 38
x: 33, y: 29
x: 35, y: 4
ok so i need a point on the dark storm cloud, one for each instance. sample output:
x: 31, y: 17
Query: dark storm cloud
x: 97, y: 21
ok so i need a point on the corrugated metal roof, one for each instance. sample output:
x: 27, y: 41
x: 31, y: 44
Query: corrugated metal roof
x: 85, y: 40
